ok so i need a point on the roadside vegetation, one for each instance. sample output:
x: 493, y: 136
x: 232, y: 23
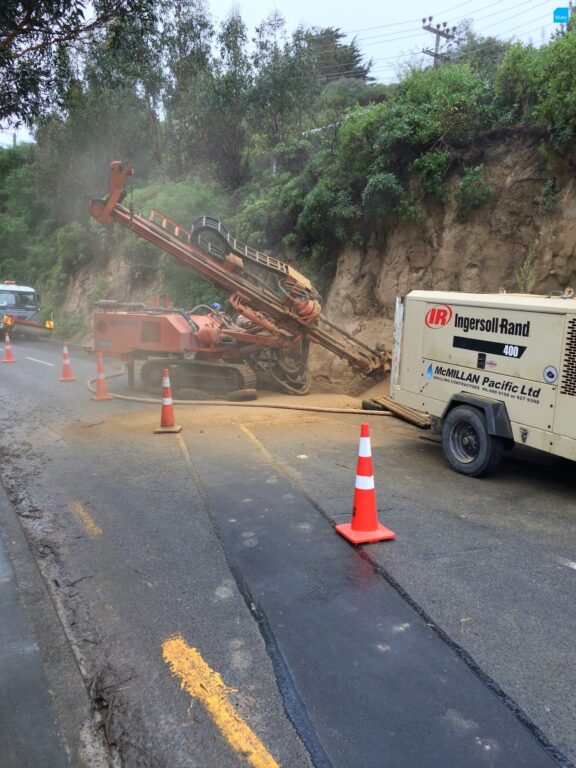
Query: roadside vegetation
x: 283, y: 136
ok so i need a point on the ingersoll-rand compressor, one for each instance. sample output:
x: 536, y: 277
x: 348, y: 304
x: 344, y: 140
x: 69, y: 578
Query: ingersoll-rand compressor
x: 493, y: 370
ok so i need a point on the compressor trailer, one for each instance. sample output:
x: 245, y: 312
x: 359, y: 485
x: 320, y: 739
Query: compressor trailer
x: 493, y: 370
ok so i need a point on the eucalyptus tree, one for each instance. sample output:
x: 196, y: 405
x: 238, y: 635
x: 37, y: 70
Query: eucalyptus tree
x: 33, y: 36
x: 287, y: 81
x: 230, y: 102
x: 187, y: 38
x: 110, y: 110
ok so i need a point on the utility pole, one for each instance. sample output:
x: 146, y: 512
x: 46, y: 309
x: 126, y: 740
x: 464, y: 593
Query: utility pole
x: 440, y: 30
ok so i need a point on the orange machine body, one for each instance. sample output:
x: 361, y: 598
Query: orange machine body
x: 146, y: 333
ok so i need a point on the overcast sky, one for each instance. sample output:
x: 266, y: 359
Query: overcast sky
x: 390, y: 33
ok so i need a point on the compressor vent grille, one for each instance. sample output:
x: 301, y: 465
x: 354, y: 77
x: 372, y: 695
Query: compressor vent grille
x: 568, y: 385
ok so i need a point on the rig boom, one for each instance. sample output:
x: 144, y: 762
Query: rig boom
x: 294, y: 312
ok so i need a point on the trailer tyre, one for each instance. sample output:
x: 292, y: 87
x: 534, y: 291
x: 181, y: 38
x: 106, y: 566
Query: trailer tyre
x: 467, y: 446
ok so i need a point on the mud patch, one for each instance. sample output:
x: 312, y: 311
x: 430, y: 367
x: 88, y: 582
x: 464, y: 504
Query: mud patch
x: 112, y: 738
x: 118, y: 732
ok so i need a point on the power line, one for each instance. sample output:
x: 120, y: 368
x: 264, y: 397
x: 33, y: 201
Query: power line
x: 461, y: 18
x: 412, y: 21
x: 413, y: 51
x: 516, y: 14
x: 415, y: 21
x: 497, y: 13
x: 471, y: 49
x: 440, y: 14
x: 520, y: 26
x: 400, y: 35
x: 380, y: 68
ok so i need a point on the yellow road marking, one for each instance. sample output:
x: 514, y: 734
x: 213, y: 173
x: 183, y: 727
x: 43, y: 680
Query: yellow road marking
x: 82, y: 516
x: 184, y: 449
x: 206, y: 685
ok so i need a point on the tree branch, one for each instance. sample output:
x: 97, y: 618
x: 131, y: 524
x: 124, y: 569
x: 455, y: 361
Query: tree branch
x: 72, y: 35
x: 24, y: 28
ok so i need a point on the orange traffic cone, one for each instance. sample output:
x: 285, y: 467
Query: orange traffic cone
x: 67, y: 374
x: 8, y: 356
x: 364, y: 526
x: 101, y: 385
x: 167, y: 423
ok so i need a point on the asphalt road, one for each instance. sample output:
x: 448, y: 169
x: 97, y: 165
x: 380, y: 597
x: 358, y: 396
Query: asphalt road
x: 452, y: 645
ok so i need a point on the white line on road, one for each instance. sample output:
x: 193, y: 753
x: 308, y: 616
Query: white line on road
x: 40, y: 361
x: 567, y: 563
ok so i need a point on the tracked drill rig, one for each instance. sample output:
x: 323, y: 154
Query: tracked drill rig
x: 206, y: 349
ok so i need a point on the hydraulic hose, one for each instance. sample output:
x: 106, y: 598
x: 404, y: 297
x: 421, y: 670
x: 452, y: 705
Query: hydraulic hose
x: 276, y: 406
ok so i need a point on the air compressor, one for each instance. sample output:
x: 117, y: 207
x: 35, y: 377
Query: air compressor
x: 493, y: 371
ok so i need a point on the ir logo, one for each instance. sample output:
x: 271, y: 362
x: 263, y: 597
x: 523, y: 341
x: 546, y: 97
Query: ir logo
x: 438, y: 316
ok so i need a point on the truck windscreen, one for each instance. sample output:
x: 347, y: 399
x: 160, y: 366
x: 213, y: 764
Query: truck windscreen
x: 17, y: 300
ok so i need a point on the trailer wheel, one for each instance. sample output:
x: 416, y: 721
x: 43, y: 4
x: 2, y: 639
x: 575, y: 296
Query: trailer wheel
x: 467, y: 446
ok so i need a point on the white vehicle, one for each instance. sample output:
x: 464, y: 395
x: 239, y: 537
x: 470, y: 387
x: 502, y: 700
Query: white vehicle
x: 19, y: 311
x: 493, y: 370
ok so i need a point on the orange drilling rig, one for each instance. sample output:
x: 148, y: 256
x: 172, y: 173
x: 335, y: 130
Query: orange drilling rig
x: 204, y: 348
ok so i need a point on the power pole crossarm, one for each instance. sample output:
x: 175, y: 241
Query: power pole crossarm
x: 440, y: 31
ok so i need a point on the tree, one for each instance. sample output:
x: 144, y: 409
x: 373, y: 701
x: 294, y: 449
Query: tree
x: 187, y: 40
x: 110, y: 111
x: 483, y: 54
x: 121, y: 69
x: 229, y: 102
x: 335, y: 59
x: 33, y: 36
x: 286, y: 83
x: 537, y: 86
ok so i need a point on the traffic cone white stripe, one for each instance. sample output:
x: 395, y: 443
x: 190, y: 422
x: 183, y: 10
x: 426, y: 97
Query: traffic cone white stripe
x: 167, y: 423
x: 364, y: 526
x: 67, y: 374
x: 101, y: 385
x: 8, y: 356
x: 364, y: 483
x: 364, y: 449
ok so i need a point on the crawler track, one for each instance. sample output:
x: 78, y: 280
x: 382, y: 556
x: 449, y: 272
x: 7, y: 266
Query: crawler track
x: 215, y: 378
